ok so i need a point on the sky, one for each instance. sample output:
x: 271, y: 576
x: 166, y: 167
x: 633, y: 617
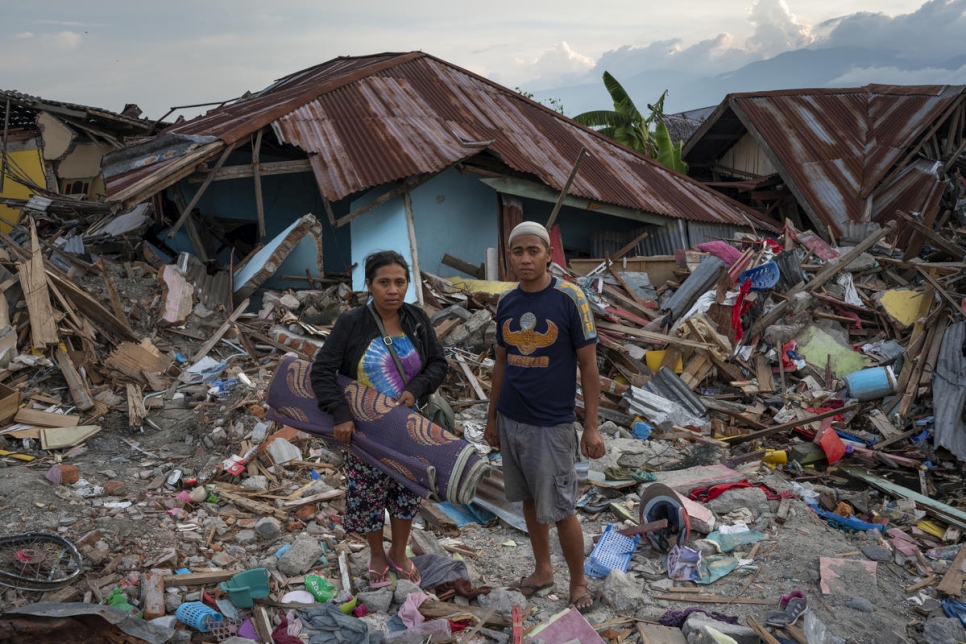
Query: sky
x: 106, y: 53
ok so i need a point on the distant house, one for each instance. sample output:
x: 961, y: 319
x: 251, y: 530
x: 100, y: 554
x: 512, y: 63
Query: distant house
x: 409, y: 152
x: 835, y: 158
x: 51, y: 148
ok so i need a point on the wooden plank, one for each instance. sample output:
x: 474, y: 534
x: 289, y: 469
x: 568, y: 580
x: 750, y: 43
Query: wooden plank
x: 201, y: 191
x: 566, y: 187
x: 257, y: 176
x: 766, y: 379
x: 657, y: 634
x: 46, y: 418
x: 43, y: 322
x: 438, y: 519
x: 103, y: 320
x: 219, y: 334
x: 77, y: 385
x: 947, y: 513
x: 474, y: 383
x: 245, y: 171
x: 136, y: 413
x: 768, y: 431
x: 436, y: 609
x: 63, y: 437
x: 952, y: 582
x: 948, y: 247
x: 652, y: 336
x: 413, y: 248
x: 406, y: 186
x: 113, y: 295
x: 716, y: 599
x: 251, y: 505
x: 463, y: 266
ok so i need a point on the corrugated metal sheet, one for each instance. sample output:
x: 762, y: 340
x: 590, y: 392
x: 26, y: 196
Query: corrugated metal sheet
x: 370, y: 121
x: 918, y: 184
x: 833, y: 146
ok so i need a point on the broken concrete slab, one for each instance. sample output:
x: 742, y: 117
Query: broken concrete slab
x: 298, y: 246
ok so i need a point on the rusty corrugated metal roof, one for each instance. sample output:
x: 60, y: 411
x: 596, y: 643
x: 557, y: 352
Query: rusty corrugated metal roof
x: 834, y: 147
x: 369, y: 121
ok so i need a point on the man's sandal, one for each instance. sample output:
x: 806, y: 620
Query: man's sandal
x: 529, y: 590
x: 582, y: 602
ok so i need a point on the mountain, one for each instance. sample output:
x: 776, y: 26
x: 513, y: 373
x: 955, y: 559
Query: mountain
x: 691, y: 90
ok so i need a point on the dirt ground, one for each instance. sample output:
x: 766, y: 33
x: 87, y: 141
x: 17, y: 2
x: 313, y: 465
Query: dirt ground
x: 147, y: 533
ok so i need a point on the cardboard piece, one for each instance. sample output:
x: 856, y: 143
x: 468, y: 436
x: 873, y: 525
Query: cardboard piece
x: 62, y: 437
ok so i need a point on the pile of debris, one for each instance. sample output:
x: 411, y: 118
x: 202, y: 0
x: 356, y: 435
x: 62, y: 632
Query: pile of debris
x: 799, y: 401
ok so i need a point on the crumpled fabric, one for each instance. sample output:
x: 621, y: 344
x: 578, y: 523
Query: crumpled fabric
x: 727, y: 542
x: 676, y: 618
x: 715, y: 567
x: 683, y: 564
x: 461, y: 587
x: 722, y: 250
x: 705, y: 494
x: 331, y: 626
x: 281, y: 634
x: 437, y: 569
x: 409, y: 611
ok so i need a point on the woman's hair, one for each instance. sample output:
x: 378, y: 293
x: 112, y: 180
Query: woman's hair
x: 376, y: 260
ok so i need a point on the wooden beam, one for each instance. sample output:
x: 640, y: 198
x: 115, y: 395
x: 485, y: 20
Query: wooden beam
x: 328, y: 211
x: 114, y: 296
x: 768, y: 431
x: 566, y: 188
x: 462, y: 265
x: 201, y: 191
x: 43, y: 324
x: 652, y: 336
x: 404, y: 187
x: 222, y: 330
x: 413, y: 247
x: 951, y: 249
x: 257, y: 175
x: 247, y: 171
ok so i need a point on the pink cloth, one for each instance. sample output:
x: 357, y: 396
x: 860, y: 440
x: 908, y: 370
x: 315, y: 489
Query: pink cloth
x: 409, y: 611
x: 722, y: 250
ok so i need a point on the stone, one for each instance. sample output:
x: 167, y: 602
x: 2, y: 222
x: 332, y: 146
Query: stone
x: 877, y: 553
x: 502, y: 600
x: 222, y: 559
x: 860, y: 604
x: 317, y: 487
x: 752, y: 498
x: 289, y: 301
x: 268, y: 527
x: 246, y: 537
x: 403, y: 589
x: 63, y: 474
x: 257, y: 483
x: 378, y: 600
x: 622, y: 592
x: 943, y: 630
x: 300, y: 557
x: 236, y: 639
x: 114, y: 488
x: 697, y: 629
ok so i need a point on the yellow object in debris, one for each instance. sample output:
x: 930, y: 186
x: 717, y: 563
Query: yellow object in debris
x: 20, y: 457
x: 653, y: 359
x: 472, y: 287
x: 932, y: 528
x: 775, y: 457
x: 901, y: 304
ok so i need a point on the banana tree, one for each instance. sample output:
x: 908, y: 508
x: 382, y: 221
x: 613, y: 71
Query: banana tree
x: 628, y: 126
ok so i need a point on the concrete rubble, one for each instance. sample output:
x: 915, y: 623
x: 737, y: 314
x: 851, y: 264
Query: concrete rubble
x: 797, y: 408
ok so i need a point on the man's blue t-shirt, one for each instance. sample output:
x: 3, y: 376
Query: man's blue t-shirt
x: 541, y: 333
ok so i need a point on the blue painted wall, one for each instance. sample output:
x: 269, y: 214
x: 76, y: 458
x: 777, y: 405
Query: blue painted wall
x: 576, y: 224
x: 382, y: 228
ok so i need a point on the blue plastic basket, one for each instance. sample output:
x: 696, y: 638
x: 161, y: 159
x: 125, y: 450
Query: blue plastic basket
x: 762, y: 277
x: 197, y: 616
x: 612, y: 552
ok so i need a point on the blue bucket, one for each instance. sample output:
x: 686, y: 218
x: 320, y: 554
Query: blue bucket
x: 871, y: 384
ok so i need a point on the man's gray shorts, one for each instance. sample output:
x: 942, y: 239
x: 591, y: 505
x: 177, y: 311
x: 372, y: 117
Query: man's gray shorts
x: 538, y: 464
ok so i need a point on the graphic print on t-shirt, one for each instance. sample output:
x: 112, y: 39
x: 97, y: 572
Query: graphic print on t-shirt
x: 528, y: 339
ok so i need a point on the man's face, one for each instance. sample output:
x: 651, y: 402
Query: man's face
x: 529, y: 257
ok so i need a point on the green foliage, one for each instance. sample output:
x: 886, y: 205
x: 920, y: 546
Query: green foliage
x: 553, y: 103
x: 628, y: 126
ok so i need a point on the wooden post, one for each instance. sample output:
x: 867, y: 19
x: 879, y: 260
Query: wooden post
x: 413, y: 251
x: 33, y: 279
x: 257, y: 175
x: 563, y: 193
x: 201, y: 191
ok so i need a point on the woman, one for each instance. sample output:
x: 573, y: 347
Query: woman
x: 355, y: 348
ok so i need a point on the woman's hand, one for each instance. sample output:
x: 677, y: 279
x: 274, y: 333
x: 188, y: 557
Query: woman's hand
x: 343, y: 432
x: 406, y: 398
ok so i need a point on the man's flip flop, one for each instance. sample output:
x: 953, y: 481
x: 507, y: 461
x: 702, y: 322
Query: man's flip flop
x: 529, y: 590
x: 575, y: 602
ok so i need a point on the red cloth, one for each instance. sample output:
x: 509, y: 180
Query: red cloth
x: 281, y: 636
x: 739, y: 308
x: 705, y: 494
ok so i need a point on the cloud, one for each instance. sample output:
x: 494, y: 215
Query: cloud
x: 24, y: 35
x: 555, y: 64
x: 776, y: 29
x: 931, y: 33
x: 860, y: 76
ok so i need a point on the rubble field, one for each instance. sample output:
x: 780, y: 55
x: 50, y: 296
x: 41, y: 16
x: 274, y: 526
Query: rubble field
x: 800, y: 401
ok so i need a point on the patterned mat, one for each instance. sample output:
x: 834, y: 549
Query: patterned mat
x: 421, y: 456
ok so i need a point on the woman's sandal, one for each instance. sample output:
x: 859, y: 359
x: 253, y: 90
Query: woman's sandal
x: 409, y: 575
x: 377, y: 579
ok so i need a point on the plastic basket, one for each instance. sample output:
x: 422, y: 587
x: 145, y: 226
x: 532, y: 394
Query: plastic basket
x: 197, y: 616
x: 762, y: 277
x: 612, y: 552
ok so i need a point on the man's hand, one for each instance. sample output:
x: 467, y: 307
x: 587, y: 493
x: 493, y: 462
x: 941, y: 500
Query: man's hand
x: 406, y: 398
x: 592, y: 443
x: 343, y: 432
x: 490, y: 434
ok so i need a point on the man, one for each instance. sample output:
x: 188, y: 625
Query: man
x: 545, y: 329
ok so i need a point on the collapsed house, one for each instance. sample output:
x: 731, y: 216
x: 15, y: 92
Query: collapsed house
x: 51, y: 153
x: 401, y: 151
x: 837, y: 159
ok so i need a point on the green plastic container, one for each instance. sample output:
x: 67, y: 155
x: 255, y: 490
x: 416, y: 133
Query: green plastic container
x: 245, y: 587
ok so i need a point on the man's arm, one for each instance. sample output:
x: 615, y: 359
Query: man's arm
x: 591, y: 444
x: 496, y: 383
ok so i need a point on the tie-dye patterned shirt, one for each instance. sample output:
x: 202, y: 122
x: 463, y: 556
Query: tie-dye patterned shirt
x: 378, y: 370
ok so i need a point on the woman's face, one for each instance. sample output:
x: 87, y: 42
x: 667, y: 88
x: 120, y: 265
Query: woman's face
x: 388, y: 287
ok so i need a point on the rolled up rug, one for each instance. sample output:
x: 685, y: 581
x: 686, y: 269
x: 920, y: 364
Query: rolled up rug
x: 421, y: 456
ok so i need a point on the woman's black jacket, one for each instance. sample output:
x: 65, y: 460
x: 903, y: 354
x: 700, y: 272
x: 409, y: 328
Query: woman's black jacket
x: 348, y: 341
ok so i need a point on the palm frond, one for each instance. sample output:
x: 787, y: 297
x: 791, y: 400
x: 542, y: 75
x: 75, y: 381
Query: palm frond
x: 603, y: 118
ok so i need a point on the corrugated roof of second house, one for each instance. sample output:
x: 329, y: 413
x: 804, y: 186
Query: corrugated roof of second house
x: 835, y: 147
x: 371, y: 120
